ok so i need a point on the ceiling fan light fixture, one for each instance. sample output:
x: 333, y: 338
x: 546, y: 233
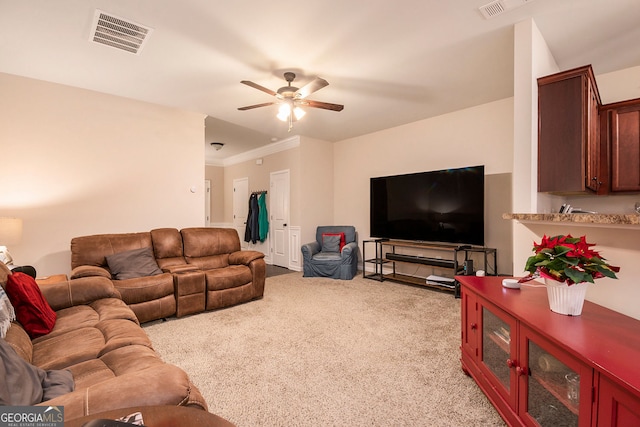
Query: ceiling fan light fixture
x: 299, y: 113
x: 283, y: 112
x: 289, y: 97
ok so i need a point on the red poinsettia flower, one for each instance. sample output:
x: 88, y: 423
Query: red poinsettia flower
x: 567, y: 259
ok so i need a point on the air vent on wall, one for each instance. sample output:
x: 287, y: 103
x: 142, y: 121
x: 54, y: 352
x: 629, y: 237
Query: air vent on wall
x: 117, y: 32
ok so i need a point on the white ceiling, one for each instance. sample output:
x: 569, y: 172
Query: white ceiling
x: 388, y: 62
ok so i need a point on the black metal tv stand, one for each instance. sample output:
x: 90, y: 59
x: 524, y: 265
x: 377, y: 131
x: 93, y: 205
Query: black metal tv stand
x: 389, y: 254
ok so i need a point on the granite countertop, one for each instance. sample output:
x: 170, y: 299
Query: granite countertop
x: 577, y: 218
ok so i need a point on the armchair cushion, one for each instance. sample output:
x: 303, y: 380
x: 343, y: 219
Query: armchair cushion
x: 340, y: 235
x: 330, y: 243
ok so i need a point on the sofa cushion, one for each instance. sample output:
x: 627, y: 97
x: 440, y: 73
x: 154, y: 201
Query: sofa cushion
x: 228, y: 277
x: 93, y: 250
x: 32, y: 310
x: 167, y: 248
x: 67, y: 349
x: 133, y: 263
x: 24, y: 384
x: 144, y: 289
x: 205, y: 241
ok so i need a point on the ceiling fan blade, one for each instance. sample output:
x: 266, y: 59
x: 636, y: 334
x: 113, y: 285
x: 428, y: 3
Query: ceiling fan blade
x: 311, y: 87
x: 257, y: 86
x: 251, y: 107
x: 324, y: 105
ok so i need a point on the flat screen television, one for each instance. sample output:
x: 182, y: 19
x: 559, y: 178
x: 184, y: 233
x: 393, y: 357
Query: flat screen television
x: 444, y: 206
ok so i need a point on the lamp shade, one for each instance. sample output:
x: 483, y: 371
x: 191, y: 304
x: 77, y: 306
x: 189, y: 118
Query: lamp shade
x: 10, y: 231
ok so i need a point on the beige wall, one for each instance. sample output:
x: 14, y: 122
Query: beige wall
x: 316, y: 187
x: 480, y: 135
x: 215, y: 174
x: 259, y: 177
x: 78, y: 162
x: 621, y: 246
x: 310, y: 165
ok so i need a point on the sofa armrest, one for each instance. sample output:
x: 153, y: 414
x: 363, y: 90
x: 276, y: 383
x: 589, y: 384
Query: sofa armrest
x: 160, y: 385
x: 78, y: 292
x: 184, y: 268
x: 89, y: 271
x: 310, y: 249
x: 244, y: 257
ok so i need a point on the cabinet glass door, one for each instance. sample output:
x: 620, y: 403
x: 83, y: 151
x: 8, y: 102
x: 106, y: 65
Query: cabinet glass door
x: 498, y: 351
x: 496, y: 343
x: 553, y: 392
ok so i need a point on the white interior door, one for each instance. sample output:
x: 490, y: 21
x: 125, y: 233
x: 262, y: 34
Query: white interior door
x: 279, y: 217
x: 240, y: 207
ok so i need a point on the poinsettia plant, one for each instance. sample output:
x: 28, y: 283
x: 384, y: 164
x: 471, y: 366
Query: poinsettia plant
x: 567, y: 259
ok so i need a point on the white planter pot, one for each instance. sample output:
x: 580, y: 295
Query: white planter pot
x: 565, y: 299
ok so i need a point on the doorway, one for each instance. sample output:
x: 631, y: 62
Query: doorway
x: 279, y: 207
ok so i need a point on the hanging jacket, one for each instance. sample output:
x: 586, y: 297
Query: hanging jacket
x: 251, y: 232
x: 263, y: 217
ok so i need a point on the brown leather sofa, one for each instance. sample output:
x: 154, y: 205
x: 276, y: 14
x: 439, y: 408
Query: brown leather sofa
x: 98, y: 338
x: 202, y: 269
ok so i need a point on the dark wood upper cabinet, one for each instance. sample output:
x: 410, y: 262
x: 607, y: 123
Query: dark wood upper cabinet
x: 569, y: 149
x: 621, y: 123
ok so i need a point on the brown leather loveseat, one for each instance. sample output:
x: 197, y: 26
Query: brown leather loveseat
x: 175, y: 272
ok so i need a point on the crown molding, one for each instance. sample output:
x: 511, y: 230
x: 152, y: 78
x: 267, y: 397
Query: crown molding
x: 273, y: 148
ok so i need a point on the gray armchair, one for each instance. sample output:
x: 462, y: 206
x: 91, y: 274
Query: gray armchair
x: 334, y: 253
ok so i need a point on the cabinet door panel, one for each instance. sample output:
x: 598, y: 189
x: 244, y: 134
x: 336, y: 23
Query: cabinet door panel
x: 625, y: 149
x: 561, y: 136
x: 469, y: 314
x: 617, y: 407
x: 555, y: 390
x: 498, y: 359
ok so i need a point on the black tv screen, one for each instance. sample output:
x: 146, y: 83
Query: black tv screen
x: 444, y: 206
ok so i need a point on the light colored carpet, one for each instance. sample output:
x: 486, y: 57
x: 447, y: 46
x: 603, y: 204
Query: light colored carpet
x: 322, y: 352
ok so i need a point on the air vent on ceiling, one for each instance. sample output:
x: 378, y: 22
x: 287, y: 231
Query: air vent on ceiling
x: 492, y: 9
x: 498, y: 7
x: 117, y: 32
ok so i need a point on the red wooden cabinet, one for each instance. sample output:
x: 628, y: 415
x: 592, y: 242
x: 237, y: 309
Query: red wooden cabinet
x: 539, y: 368
x: 618, y: 407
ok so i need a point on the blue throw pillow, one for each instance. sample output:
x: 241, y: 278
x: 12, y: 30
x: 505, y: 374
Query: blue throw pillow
x: 330, y: 243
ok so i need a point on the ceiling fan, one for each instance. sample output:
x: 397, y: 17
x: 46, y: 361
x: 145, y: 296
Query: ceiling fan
x: 291, y: 98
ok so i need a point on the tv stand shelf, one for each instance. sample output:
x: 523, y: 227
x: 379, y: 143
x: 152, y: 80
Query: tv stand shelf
x: 391, y: 253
